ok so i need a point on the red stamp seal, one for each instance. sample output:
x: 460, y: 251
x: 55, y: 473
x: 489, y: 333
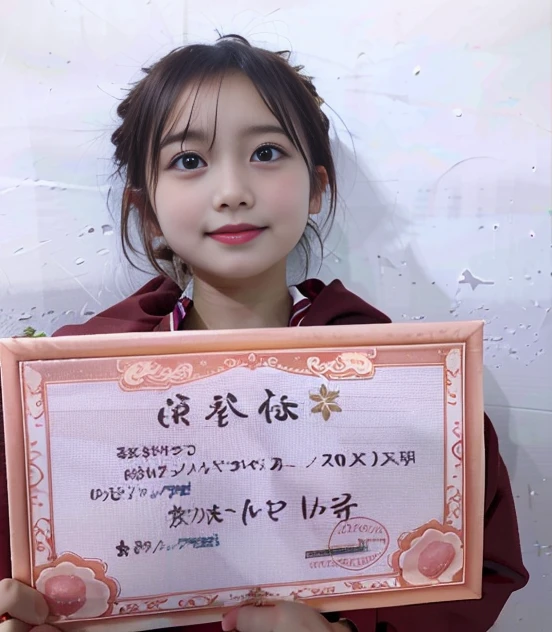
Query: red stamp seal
x: 358, y: 543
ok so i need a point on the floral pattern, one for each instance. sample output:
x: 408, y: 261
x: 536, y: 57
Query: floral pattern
x: 433, y: 554
x: 325, y: 402
x: 75, y: 588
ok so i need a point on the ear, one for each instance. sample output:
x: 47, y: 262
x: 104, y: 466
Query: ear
x: 315, y: 205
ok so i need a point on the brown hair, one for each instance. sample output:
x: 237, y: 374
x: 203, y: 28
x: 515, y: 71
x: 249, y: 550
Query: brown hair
x: 149, y: 105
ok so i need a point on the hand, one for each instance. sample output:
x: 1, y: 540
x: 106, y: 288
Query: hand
x: 27, y: 607
x: 281, y: 617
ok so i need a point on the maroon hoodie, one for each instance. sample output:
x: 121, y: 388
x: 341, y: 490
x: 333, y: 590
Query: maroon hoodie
x: 503, y: 570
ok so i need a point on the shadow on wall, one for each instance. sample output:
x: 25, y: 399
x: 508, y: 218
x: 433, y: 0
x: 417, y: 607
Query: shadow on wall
x: 372, y: 252
x: 372, y: 246
x: 373, y: 236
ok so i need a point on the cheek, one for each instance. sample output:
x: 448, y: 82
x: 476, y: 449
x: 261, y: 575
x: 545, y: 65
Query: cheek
x: 173, y: 207
x: 291, y: 195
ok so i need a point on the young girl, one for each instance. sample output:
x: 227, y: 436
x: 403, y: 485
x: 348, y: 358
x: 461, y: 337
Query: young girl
x: 226, y: 158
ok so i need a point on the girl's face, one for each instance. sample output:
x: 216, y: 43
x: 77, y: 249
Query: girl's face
x: 237, y: 209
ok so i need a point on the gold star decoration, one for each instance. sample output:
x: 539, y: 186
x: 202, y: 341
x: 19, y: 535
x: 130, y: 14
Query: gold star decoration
x: 325, y: 402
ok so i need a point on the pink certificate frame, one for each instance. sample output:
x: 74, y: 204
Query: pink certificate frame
x: 349, y: 357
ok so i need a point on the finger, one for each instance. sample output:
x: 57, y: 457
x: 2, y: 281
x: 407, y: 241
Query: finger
x: 281, y: 617
x: 14, y: 626
x: 22, y: 602
x: 251, y: 619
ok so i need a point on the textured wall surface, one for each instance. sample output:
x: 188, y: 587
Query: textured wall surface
x: 442, y: 132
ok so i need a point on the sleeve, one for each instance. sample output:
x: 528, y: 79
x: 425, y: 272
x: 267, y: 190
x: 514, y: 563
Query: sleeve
x: 503, y: 569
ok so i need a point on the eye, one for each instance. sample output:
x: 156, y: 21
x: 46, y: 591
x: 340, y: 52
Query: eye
x: 268, y: 153
x: 188, y: 162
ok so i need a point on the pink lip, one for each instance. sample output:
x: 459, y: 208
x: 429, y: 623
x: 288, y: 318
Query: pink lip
x: 236, y: 234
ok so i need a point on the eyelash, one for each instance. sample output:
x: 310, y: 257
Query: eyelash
x: 185, y: 154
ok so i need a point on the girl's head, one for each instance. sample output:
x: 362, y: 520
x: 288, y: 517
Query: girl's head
x: 216, y: 136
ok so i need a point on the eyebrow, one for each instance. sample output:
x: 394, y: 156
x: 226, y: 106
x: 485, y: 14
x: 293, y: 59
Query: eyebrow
x: 201, y: 136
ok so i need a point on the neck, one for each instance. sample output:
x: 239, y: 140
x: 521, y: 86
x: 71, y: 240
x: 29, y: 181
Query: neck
x: 259, y: 302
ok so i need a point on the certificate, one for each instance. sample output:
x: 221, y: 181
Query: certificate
x: 159, y: 479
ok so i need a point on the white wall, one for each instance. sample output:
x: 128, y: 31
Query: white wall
x: 448, y: 199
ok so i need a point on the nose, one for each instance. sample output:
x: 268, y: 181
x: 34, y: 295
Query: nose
x: 233, y: 190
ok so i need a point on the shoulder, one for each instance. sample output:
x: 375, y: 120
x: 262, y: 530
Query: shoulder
x: 142, y: 311
x: 334, y: 304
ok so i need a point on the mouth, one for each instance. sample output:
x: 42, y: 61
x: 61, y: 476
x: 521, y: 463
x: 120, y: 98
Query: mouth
x: 235, y: 234
x: 235, y: 228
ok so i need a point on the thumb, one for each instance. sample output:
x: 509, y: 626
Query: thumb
x: 251, y: 619
x: 22, y: 602
x: 280, y: 617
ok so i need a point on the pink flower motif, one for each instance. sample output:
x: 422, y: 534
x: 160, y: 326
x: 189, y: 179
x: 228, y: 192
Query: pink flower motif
x: 73, y: 591
x: 433, y: 558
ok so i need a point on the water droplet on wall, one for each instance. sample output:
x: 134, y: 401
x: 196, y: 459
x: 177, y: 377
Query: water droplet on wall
x: 417, y: 70
x: 454, y: 307
x: 18, y: 251
x: 79, y: 261
x: 86, y: 229
x: 457, y: 112
x: 107, y: 229
x: 102, y: 252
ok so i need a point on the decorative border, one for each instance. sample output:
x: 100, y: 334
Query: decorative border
x: 145, y: 373
x: 164, y: 372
